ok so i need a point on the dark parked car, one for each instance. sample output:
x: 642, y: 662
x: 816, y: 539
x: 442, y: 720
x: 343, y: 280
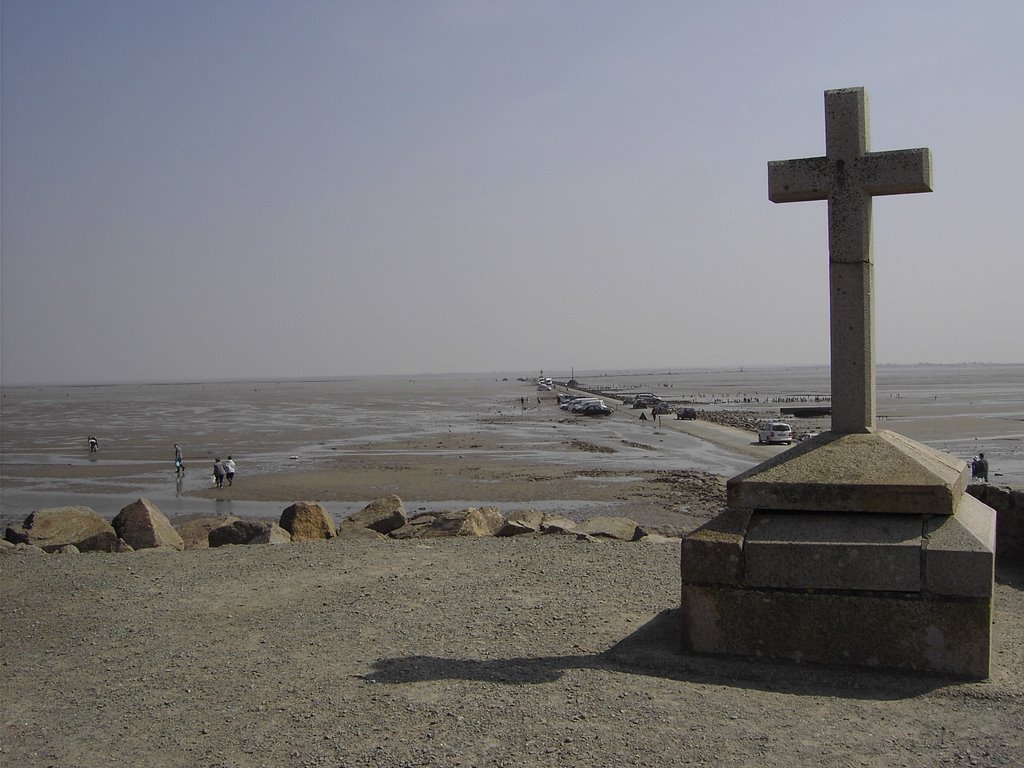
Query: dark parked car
x: 645, y: 400
x: 686, y: 413
x: 662, y: 408
x: 595, y: 409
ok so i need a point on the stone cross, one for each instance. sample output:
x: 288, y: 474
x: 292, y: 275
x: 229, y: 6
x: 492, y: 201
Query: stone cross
x: 848, y: 176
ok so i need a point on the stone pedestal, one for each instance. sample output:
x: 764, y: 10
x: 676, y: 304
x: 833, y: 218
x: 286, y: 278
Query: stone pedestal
x: 858, y: 550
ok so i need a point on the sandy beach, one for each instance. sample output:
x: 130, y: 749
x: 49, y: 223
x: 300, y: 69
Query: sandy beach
x: 456, y: 440
x: 480, y: 468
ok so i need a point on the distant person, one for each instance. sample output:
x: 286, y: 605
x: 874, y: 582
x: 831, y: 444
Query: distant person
x: 974, y: 467
x: 982, y: 473
x: 94, y: 445
x: 179, y: 464
x: 229, y: 470
x: 218, y: 473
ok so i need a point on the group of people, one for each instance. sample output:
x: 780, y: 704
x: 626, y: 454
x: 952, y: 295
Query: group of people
x: 979, y: 467
x: 222, y: 470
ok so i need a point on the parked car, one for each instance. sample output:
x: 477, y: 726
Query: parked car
x: 775, y: 432
x: 808, y: 436
x: 686, y: 413
x: 568, y: 403
x: 662, y: 408
x: 595, y: 409
x: 645, y: 400
x: 578, y: 405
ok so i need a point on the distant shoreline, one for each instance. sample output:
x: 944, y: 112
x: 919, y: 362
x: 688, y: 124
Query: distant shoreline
x: 591, y: 373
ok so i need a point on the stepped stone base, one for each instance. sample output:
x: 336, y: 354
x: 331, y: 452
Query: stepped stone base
x: 875, y: 588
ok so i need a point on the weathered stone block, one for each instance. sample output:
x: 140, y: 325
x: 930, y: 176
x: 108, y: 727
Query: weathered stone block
x: 879, y: 471
x: 958, y: 556
x: 907, y: 632
x: 713, y: 554
x: 791, y: 550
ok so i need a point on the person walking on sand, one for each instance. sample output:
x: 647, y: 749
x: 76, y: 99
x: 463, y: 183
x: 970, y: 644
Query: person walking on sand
x: 229, y: 470
x: 218, y: 473
x: 94, y: 445
x: 179, y: 464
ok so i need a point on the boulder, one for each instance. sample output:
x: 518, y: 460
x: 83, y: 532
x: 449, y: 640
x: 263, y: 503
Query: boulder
x: 272, y: 534
x: 195, y: 532
x: 384, y: 515
x: 308, y: 521
x: 249, y: 532
x: 557, y: 524
x: 621, y: 528
x: 483, y: 521
x: 416, y: 527
x: 67, y: 549
x: 522, y: 521
x: 50, y: 529
x: 142, y: 525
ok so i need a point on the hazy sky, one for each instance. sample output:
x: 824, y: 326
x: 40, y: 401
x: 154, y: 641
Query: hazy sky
x: 234, y: 189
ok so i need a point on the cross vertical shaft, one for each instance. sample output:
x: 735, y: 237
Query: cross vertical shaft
x: 848, y: 176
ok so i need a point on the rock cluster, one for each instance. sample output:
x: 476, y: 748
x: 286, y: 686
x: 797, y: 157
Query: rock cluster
x: 141, y: 525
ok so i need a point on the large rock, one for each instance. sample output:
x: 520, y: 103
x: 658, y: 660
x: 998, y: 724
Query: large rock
x: 56, y: 527
x: 195, y: 532
x: 557, y: 524
x: 418, y: 525
x: 308, y: 521
x: 249, y: 532
x: 522, y: 521
x: 384, y: 515
x: 142, y: 525
x: 483, y: 521
x: 606, y: 527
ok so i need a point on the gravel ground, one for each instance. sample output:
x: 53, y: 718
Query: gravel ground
x: 471, y: 652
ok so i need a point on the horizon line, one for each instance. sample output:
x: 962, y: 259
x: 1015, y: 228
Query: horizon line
x: 656, y: 370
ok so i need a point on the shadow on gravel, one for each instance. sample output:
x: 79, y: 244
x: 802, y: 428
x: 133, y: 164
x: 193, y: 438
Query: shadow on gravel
x: 653, y: 650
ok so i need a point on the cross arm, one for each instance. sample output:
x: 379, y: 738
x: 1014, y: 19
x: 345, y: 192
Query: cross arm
x: 896, y: 173
x: 793, y: 181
